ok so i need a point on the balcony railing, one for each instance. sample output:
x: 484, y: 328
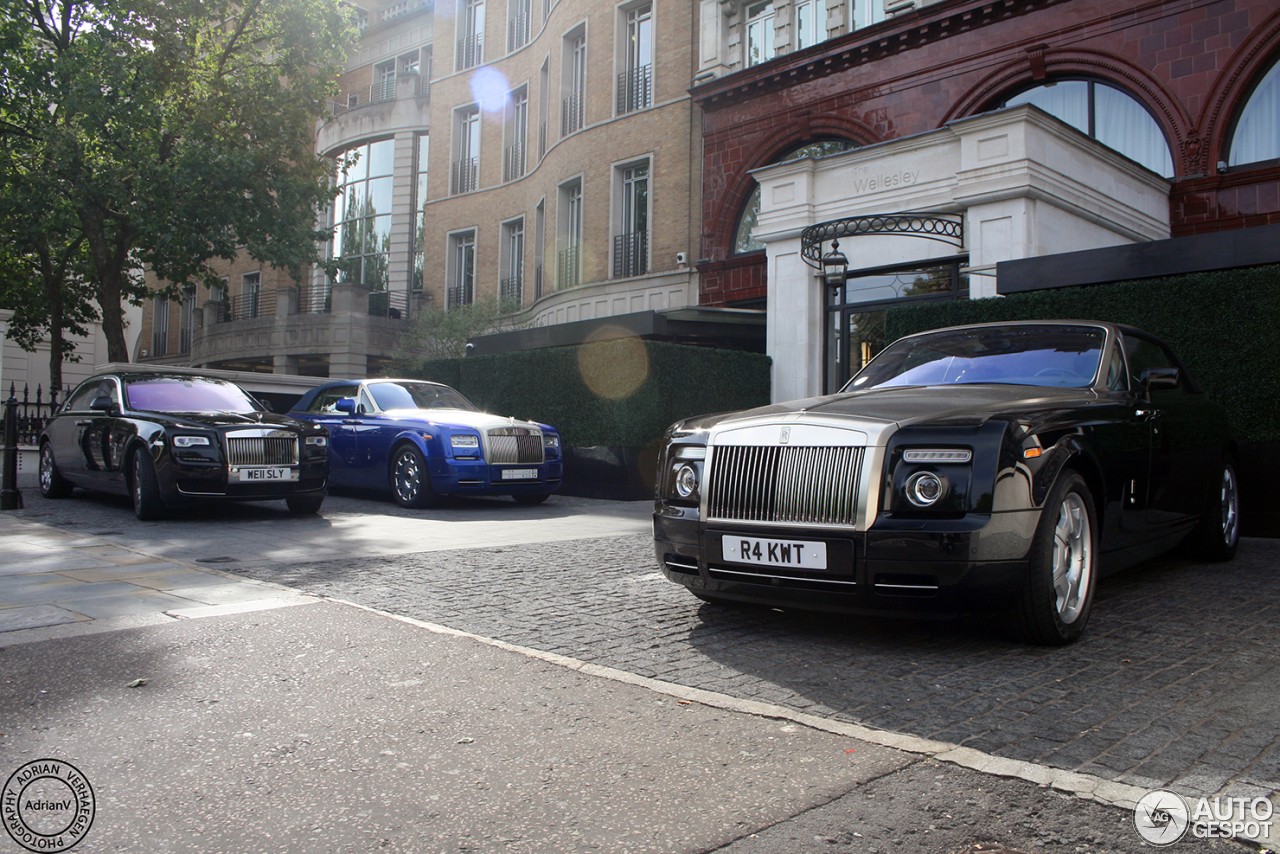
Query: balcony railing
x: 630, y: 254
x: 572, y: 114
x: 542, y: 139
x: 635, y: 89
x: 247, y: 306
x: 537, y: 282
x: 511, y: 292
x: 513, y: 162
x: 315, y: 299
x: 185, y: 334
x: 461, y: 294
x: 405, y: 7
x: 470, y: 51
x: 160, y: 343
x: 569, y: 268
x: 383, y: 90
x: 390, y: 304
x: 465, y: 176
x: 518, y: 31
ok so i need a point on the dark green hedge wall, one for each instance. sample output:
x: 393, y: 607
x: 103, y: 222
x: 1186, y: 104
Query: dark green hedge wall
x: 1223, y: 325
x: 613, y: 393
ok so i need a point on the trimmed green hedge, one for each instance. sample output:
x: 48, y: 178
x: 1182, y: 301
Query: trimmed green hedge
x: 613, y: 393
x: 1223, y: 325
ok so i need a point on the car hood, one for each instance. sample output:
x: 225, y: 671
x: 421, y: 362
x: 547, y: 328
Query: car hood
x: 460, y: 418
x: 969, y: 404
x: 231, y: 419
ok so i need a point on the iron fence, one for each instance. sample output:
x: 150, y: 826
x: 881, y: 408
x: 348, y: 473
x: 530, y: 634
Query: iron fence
x: 32, y: 415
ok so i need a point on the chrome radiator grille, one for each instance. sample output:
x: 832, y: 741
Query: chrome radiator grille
x: 262, y: 451
x: 515, y: 445
x: 817, y: 486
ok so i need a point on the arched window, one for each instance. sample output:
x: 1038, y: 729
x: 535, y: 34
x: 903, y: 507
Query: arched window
x: 1257, y: 133
x: 744, y: 240
x: 1109, y: 115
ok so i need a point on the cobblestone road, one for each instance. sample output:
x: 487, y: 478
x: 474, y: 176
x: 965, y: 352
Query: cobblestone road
x: 1174, y: 684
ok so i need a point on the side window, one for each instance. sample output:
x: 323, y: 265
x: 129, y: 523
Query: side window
x: 1117, y: 378
x: 81, y: 397
x: 1144, y: 354
x: 326, y: 403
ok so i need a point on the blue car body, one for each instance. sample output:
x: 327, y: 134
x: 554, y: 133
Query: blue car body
x: 424, y: 440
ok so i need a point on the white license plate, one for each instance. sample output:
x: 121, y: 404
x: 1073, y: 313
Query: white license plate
x: 255, y: 474
x: 797, y: 554
x: 519, y: 474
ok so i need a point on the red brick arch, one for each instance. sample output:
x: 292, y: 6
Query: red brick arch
x: 1234, y: 86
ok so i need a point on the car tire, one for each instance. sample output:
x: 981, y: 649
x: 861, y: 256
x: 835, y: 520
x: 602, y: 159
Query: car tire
x: 304, y: 505
x: 410, y: 480
x: 1054, y: 605
x: 52, y: 483
x: 147, y: 504
x: 1218, y: 535
x: 531, y: 497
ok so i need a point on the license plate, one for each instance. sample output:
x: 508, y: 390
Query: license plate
x: 797, y: 554
x: 519, y: 474
x: 246, y: 475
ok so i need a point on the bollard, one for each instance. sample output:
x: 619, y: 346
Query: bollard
x: 10, y: 497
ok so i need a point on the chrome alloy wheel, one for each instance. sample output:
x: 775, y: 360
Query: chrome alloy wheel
x: 408, y: 476
x: 46, y: 468
x: 1072, y: 558
x: 1230, y: 506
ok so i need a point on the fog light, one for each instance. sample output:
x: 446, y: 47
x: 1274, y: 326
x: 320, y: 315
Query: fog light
x: 925, y: 489
x: 686, y: 481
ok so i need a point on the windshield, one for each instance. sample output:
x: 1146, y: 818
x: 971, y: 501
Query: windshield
x: 410, y: 395
x: 1061, y: 356
x: 193, y: 395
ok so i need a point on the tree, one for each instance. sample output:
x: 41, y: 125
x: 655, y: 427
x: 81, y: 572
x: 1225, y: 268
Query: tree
x: 171, y: 133
x: 438, y: 333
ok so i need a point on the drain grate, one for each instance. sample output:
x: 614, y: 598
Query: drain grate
x: 217, y: 560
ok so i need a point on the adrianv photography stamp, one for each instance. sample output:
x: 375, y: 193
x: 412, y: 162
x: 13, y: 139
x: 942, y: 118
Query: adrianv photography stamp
x: 47, y: 805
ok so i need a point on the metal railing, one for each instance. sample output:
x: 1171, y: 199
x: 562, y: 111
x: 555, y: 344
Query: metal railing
x: 513, y: 162
x: 247, y: 306
x: 464, y: 176
x: 630, y: 254
x: 537, y: 282
x: 383, y: 90
x: 32, y: 415
x: 461, y: 295
x: 470, y: 51
x: 518, y: 31
x: 160, y: 343
x: 572, y: 114
x: 542, y: 139
x: 511, y: 290
x: 390, y: 304
x: 635, y: 89
x: 315, y: 299
x: 569, y: 268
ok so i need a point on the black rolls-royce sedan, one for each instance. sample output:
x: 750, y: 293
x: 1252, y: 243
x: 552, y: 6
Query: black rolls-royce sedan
x: 995, y: 466
x: 171, y: 439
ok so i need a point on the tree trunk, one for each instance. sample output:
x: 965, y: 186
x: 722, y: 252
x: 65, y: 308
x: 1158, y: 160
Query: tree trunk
x: 53, y: 283
x: 110, y: 254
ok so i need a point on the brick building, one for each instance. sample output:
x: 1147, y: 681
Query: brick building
x: 1017, y: 129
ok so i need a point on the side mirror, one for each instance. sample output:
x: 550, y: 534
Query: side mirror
x: 1154, y: 379
x: 347, y: 405
x: 102, y: 404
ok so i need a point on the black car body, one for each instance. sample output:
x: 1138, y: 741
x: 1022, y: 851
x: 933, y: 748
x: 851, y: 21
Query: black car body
x: 422, y: 441
x: 168, y: 439
x: 997, y: 466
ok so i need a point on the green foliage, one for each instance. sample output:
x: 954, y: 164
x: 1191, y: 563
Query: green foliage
x: 439, y: 333
x: 1221, y: 324
x: 167, y: 135
x: 613, y: 393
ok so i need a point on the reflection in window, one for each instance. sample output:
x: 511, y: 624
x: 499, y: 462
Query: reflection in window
x: 362, y: 215
x: 744, y: 241
x: 1257, y: 134
x: 1107, y: 114
x: 760, y: 18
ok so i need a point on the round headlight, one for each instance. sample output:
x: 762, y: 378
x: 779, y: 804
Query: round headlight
x: 925, y: 489
x: 686, y: 480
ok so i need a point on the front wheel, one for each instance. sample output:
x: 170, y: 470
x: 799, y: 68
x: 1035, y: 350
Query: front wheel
x: 1054, y: 607
x: 304, y: 505
x: 1219, y: 533
x: 410, y: 481
x: 147, y: 504
x: 52, y: 483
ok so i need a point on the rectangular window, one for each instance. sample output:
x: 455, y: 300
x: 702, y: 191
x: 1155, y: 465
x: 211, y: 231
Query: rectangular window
x: 160, y: 329
x: 760, y: 33
x: 539, y: 244
x: 867, y: 12
x: 517, y: 133
x: 420, y: 213
x: 470, y: 34
x: 810, y: 28
x: 544, y: 77
x: 511, y: 286
x: 635, y: 81
x: 631, y: 242
x: 250, y: 294
x: 519, y: 21
x: 187, y: 320
x: 569, y: 262
x: 466, y: 142
x: 573, y: 107
x: 462, y: 287
x: 384, y: 83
